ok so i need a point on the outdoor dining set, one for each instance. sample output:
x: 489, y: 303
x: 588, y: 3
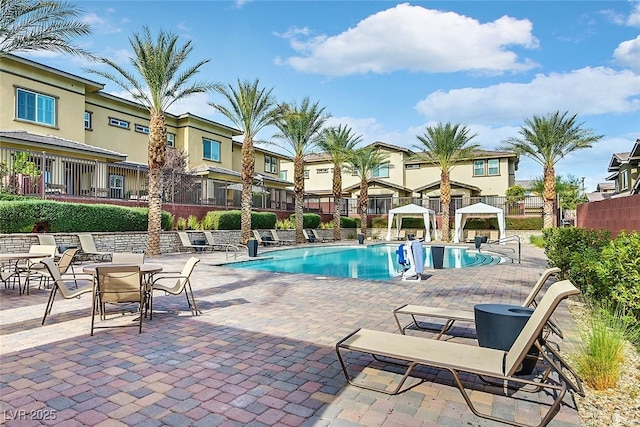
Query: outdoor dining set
x: 119, y: 280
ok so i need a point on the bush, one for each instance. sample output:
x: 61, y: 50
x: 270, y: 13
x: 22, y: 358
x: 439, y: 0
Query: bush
x: 480, y: 224
x: 181, y: 224
x: 529, y: 223
x: 537, y: 241
x: 348, y: 222
x: 193, y: 223
x: 309, y: 220
x: 285, y: 224
x: 563, y: 243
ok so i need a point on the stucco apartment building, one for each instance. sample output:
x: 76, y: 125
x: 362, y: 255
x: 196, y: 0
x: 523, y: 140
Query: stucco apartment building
x: 403, y: 179
x: 85, y: 142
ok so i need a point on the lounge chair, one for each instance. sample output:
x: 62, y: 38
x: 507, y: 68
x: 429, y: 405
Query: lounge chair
x: 186, y: 242
x: 280, y: 241
x: 49, y: 240
x: 261, y: 241
x: 211, y: 241
x: 457, y: 358
x: 89, y: 249
x: 309, y: 237
x: 471, y: 236
x: 402, y: 234
x: 72, y: 288
x: 320, y: 238
x: 451, y: 316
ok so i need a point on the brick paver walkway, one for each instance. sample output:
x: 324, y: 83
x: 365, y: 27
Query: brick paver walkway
x: 262, y: 353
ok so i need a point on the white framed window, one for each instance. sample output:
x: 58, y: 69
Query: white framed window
x: 211, y: 149
x: 382, y: 171
x: 141, y: 128
x: 116, y: 186
x: 478, y: 168
x: 306, y: 174
x: 88, y: 120
x: 171, y: 140
x: 283, y: 175
x: 490, y: 167
x: 270, y: 164
x: 118, y: 123
x: 324, y: 170
x: 35, y: 107
x: 493, y: 166
x: 624, y: 180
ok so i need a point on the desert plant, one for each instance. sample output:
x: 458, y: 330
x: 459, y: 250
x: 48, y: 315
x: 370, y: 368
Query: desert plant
x: 181, y: 223
x: 193, y: 223
x: 286, y: 224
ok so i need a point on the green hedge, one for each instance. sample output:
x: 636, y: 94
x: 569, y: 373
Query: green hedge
x: 231, y: 220
x: 348, y: 222
x: 20, y: 216
x: 309, y: 220
x: 532, y: 223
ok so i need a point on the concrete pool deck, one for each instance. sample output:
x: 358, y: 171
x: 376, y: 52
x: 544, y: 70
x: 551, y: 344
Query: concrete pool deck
x: 261, y: 353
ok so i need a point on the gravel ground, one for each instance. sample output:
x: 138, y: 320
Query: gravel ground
x: 619, y: 407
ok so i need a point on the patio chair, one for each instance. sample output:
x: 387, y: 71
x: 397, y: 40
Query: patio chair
x: 131, y: 258
x: 486, y: 363
x: 72, y: 288
x: 319, y: 238
x: 49, y: 240
x: 309, y: 237
x: 62, y: 265
x: 494, y: 236
x: 451, y: 315
x: 118, y: 284
x: 402, y: 234
x: 89, y: 249
x: 34, y: 266
x: 211, y: 241
x: 280, y: 241
x: 471, y: 236
x: 186, y: 242
x: 261, y: 241
x: 181, y: 282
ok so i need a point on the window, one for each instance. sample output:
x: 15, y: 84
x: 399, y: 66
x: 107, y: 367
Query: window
x: 87, y: 120
x: 381, y: 171
x: 306, y: 174
x: 118, y: 123
x: 270, y: 164
x: 624, y: 180
x: 141, y: 128
x: 494, y: 166
x: 319, y: 171
x: 283, y: 175
x: 478, y: 168
x: 412, y: 166
x: 116, y: 186
x: 36, y: 107
x: 171, y: 140
x: 211, y: 149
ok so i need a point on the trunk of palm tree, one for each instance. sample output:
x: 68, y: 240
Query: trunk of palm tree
x: 156, y: 155
x: 364, y: 204
x: 298, y: 189
x: 445, y: 200
x: 248, y: 168
x: 549, y: 195
x: 337, y: 198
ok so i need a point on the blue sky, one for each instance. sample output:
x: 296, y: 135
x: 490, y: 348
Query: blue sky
x: 388, y: 69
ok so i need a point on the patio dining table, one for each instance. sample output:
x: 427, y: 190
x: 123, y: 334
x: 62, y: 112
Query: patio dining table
x: 13, y: 259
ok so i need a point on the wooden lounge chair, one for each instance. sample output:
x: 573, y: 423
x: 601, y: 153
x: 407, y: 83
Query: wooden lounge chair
x: 186, y: 242
x: 237, y: 247
x: 451, y: 316
x: 280, y: 241
x: 89, y: 249
x: 261, y: 241
x: 457, y: 358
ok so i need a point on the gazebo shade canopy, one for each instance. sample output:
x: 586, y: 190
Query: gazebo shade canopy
x: 412, y: 211
x: 476, y: 210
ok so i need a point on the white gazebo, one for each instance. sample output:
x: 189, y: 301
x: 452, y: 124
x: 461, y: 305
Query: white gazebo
x: 479, y: 209
x: 413, y: 211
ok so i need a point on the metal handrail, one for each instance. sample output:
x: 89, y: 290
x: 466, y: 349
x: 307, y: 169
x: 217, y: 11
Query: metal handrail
x: 507, y: 240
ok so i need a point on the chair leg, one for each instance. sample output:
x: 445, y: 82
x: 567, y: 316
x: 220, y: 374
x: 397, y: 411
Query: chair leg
x: 94, y: 308
x: 52, y: 296
x: 195, y: 307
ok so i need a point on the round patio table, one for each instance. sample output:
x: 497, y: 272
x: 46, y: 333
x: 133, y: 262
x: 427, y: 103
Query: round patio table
x: 20, y: 256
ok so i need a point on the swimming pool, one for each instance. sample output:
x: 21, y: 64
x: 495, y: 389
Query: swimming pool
x: 372, y: 262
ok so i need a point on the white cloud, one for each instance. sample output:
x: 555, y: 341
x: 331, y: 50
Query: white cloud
x: 416, y: 39
x: 588, y: 90
x: 101, y: 24
x: 627, y: 54
x: 634, y: 16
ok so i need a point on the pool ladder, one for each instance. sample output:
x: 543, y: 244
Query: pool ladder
x: 493, y: 243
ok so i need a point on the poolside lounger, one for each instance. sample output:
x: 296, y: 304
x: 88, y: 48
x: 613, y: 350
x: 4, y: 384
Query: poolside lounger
x: 278, y: 240
x: 186, y: 242
x: 309, y: 237
x: 499, y: 365
x: 235, y: 247
x: 320, y: 238
x: 463, y: 315
x: 261, y: 241
x: 89, y: 250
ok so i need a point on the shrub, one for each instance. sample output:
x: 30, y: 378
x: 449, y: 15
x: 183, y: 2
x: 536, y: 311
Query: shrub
x: 537, y: 241
x: 563, y: 243
x: 348, y: 222
x: 309, y: 220
x: 285, y: 224
x: 263, y: 220
x: 193, y: 222
x: 181, y: 224
x: 527, y: 223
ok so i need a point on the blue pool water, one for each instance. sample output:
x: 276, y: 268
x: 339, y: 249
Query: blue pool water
x: 373, y: 262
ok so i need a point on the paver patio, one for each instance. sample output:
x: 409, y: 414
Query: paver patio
x: 262, y: 353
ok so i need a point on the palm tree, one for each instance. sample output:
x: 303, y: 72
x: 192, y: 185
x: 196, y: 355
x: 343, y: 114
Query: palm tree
x: 445, y: 145
x: 546, y: 140
x: 299, y: 129
x: 250, y: 108
x: 40, y: 25
x: 159, y: 82
x: 338, y: 142
x: 362, y: 163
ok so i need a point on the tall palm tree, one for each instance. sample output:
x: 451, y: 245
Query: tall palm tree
x: 444, y: 145
x: 250, y: 108
x: 161, y: 78
x: 40, y: 25
x: 338, y: 142
x: 299, y: 129
x: 362, y: 163
x: 546, y: 140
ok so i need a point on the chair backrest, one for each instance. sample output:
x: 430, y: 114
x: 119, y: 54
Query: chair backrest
x: 45, y: 249
x: 257, y: 236
x: 420, y: 233
x: 494, y: 235
x: 47, y: 239
x: 187, y: 270
x: 471, y: 234
x: 533, y: 328
x: 184, y: 238
x: 307, y: 237
x: 56, y: 275
x: 66, y: 259
x: 54, y: 272
x: 119, y: 283
x: 211, y: 241
x: 127, y: 258
x: 274, y: 234
x: 531, y: 298
x: 87, y: 243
